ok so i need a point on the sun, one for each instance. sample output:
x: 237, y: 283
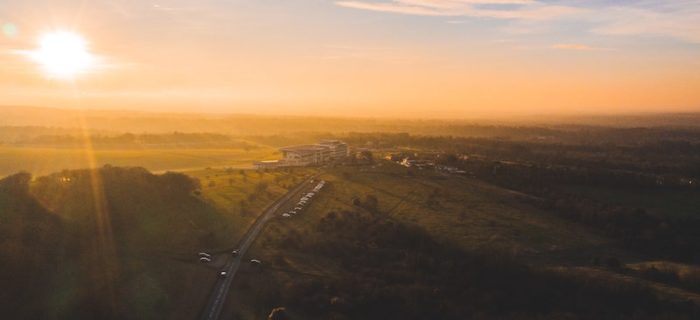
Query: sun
x: 63, y: 55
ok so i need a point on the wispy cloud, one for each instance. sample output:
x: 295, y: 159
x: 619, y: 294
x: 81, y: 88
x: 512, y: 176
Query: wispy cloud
x: 499, y: 9
x: 578, y: 47
x: 676, y: 19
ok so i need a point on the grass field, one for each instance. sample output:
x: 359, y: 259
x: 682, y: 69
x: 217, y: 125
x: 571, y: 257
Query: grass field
x: 463, y: 212
x: 45, y: 160
x: 678, y: 203
x: 238, y: 193
x: 466, y: 213
x: 225, y: 190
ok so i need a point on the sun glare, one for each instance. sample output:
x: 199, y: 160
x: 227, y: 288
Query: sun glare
x: 63, y: 55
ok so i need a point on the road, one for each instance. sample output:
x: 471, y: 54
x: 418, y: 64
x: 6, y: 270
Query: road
x: 223, y: 284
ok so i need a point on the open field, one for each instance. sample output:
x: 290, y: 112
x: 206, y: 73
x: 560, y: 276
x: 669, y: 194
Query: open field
x: 676, y: 203
x: 44, y: 160
x: 469, y: 214
x: 243, y: 194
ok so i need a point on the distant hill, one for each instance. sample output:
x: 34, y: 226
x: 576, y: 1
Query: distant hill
x: 88, y: 244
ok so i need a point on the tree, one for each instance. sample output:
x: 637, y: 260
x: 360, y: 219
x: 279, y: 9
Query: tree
x: 367, y: 156
x: 261, y: 187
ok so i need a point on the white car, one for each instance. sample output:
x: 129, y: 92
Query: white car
x: 234, y: 252
x: 204, y: 254
x: 204, y: 260
x: 223, y: 274
x: 255, y: 261
x: 286, y: 215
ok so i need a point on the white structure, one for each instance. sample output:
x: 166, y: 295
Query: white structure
x: 306, y: 155
x: 338, y: 149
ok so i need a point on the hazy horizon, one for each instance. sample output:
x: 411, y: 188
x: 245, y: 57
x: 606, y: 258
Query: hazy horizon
x: 25, y: 111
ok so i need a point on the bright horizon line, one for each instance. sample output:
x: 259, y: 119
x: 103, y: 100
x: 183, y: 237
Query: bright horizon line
x: 513, y: 116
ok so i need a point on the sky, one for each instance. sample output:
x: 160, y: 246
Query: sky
x: 385, y: 58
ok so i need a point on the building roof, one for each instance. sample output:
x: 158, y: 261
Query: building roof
x: 331, y: 142
x: 308, y: 148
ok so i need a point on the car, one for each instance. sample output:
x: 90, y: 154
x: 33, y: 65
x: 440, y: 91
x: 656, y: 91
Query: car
x: 255, y: 262
x: 298, y: 208
x: 234, y: 252
x: 204, y: 260
x: 223, y: 273
x: 292, y: 212
x: 204, y: 254
x: 286, y: 215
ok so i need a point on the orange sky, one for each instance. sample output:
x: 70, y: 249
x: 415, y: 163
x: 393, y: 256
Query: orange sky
x: 400, y: 58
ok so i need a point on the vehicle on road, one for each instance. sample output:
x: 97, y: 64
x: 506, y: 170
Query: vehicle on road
x: 204, y: 259
x: 234, y: 252
x: 255, y: 262
x: 223, y: 274
x: 286, y: 215
x: 298, y: 208
x: 204, y: 254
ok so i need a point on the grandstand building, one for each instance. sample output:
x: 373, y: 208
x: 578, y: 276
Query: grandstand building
x: 308, y: 155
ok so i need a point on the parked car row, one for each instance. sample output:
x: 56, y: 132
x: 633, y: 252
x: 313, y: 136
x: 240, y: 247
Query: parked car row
x: 304, y: 200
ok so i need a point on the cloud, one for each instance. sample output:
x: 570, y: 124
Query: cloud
x: 678, y: 20
x: 674, y: 19
x: 510, y: 9
x: 577, y: 47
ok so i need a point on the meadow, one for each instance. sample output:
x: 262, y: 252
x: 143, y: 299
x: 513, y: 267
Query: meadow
x: 467, y: 215
x: 45, y: 160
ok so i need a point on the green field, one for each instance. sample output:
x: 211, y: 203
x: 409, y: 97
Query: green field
x: 237, y: 194
x: 45, y: 160
x: 466, y: 213
x: 674, y: 203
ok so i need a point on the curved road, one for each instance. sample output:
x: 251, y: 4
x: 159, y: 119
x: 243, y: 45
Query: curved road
x: 222, y: 285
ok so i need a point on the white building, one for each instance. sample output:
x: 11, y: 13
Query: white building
x: 304, y: 155
x: 339, y: 149
x: 307, y: 155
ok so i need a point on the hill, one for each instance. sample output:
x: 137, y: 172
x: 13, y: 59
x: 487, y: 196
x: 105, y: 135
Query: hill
x: 110, y: 243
